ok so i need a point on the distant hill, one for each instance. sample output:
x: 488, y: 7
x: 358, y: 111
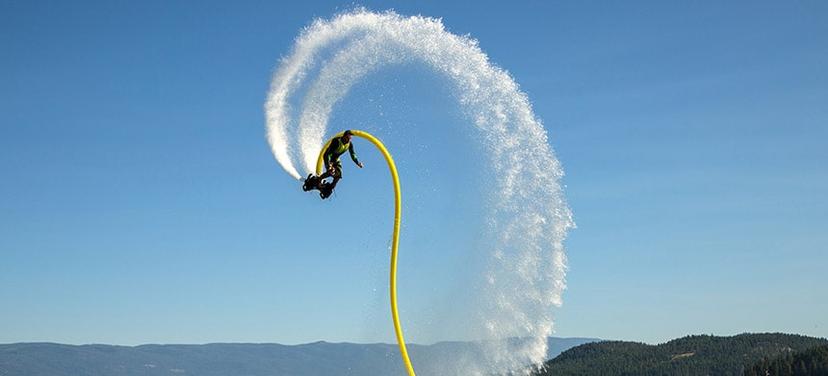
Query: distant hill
x: 692, y: 355
x: 313, y: 359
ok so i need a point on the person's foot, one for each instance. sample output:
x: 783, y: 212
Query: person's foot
x: 311, y: 182
x: 325, y: 190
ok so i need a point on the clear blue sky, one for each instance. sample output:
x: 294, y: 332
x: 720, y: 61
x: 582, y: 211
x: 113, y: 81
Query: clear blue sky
x: 139, y: 201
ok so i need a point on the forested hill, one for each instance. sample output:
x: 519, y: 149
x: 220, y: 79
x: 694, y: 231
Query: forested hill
x: 810, y: 362
x: 692, y: 355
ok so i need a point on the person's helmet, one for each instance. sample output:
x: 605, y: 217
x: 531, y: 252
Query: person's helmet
x: 347, y: 132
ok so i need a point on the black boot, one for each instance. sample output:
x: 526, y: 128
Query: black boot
x: 311, y: 182
x: 325, y: 190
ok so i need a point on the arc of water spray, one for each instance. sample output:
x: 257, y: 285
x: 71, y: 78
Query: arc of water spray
x: 395, y: 238
x: 528, y: 215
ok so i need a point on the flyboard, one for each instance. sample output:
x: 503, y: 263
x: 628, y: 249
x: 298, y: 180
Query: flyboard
x: 324, y: 187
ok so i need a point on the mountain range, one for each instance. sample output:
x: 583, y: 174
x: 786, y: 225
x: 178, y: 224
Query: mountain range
x: 228, y: 359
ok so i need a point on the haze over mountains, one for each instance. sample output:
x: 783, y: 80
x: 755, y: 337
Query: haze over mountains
x: 219, y: 359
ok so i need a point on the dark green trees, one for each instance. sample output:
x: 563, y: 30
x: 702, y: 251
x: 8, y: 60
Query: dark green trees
x: 810, y: 362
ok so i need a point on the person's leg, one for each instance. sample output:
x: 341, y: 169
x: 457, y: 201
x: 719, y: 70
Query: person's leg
x: 337, y: 174
x: 328, y: 173
x: 325, y: 189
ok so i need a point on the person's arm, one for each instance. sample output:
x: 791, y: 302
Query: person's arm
x: 353, y: 155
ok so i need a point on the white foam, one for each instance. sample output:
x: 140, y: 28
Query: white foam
x: 529, y: 215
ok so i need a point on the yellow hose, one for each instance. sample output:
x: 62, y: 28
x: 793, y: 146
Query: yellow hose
x: 395, y: 238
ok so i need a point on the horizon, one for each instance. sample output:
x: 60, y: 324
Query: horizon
x: 597, y: 339
x: 271, y: 343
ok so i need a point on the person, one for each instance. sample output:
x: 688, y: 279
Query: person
x: 338, y: 146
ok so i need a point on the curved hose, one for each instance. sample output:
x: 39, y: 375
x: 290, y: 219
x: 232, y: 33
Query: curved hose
x: 395, y: 238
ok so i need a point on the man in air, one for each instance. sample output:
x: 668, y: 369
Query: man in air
x: 337, y: 147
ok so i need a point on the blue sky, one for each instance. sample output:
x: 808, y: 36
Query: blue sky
x: 140, y: 203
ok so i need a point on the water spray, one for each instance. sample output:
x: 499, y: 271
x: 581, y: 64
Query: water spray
x: 526, y: 263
